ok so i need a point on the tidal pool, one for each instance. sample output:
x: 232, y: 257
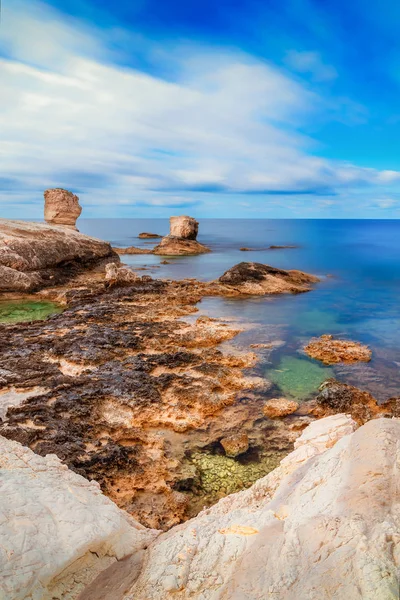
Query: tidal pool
x: 15, y: 311
x: 298, y: 377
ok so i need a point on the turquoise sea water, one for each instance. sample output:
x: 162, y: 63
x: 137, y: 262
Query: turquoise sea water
x: 358, y: 298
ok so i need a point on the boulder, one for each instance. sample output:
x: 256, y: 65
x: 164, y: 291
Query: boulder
x: 58, y: 531
x: 235, y: 444
x: 257, y: 278
x: 175, y: 246
x: 329, y: 350
x: 132, y: 250
x: 184, y: 227
x: 279, y: 407
x: 119, y: 275
x: 61, y: 207
x: 145, y: 235
x: 35, y: 255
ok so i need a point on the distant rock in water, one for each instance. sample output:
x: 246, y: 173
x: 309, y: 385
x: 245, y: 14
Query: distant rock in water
x: 145, y: 235
x: 35, y: 255
x: 174, y: 246
x: 61, y: 207
x: 184, y: 227
x: 329, y: 350
x: 245, y: 249
x: 256, y: 278
x: 132, y: 250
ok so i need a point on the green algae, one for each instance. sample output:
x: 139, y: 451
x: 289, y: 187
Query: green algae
x: 298, y: 377
x: 15, y: 311
x: 221, y: 475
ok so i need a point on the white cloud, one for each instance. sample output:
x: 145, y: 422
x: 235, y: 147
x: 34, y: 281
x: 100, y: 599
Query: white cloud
x: 69, y: 116
x: 310, y: 63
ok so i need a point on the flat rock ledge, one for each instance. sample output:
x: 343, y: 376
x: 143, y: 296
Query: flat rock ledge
x: 329, y: 350
x: 325, y: 524
x: 258, y: 279
x: 177, y: 246
x: 35, y: 255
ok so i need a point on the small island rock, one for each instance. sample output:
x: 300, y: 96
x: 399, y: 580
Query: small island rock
x: 184, y: 227
x: 61, y: 207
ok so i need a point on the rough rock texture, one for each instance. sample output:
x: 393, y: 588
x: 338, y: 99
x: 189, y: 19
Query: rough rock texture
x: 145, y: 235
x: 183, y: 227
x: 235, y: 444
x: 331, y: 351
x: 61, y: 207
x: 132, y: 250
x: 256, y: 278
x: 323, y: 526
x: 34, y: 255
x: 279, y: 407
x: 176, y: 246
x: 119, y: 275
x: 58, y: 531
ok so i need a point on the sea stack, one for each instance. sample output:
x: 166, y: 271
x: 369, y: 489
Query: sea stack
x: 181, y: 240
x: 61, y: 207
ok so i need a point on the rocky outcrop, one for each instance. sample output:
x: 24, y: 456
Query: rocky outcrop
x: 132, y: 250
x: 34, y: 255
x: 58, y: 531
x: 184, y: 227
x: 148, y: 236
x: 258, y: 279
x: 329, y: 350
x: 279, y: 407
x: 119, y: 275
x: 182, y: 238
x: 174, y: 246
x: 235, y: 444
x: 61, y: 207
x: 325, y: 524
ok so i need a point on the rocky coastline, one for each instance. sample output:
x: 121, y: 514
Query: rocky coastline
x: 127, y: 415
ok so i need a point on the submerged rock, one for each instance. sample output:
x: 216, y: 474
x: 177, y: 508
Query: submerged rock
x: 257, y: 278
x: 176, y: 246
x: 235, y: 444
x: 58, y: 531
x: 61, y: 207
x: 279, y: 407
x: 184, y: 227
x: 34, y: 255
x: 329, y: 350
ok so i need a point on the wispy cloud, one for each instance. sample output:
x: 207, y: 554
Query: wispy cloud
x: 225, y: 123
x: 311, y: 63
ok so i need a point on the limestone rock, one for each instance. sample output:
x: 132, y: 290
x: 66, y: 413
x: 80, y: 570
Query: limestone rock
x: 119, y: 275
x: 145, y: 235
x: 184, y: 227
x: 235, y: 444
x: 58, y: 531
x: 61, y: 207
x: 330, y: 350
x: 256, y: 278
x: 279, y: 407
x: 33, y: 255
x: 132, y: 250
x: 176, y: 246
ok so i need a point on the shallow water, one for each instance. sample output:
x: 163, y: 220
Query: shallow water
x: 359, y: 299
x: 14, y: 311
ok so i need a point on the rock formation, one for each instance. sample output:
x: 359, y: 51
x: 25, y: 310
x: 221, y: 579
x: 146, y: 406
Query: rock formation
x: 34, y: 255
x: 330, y: 350
x: 279, y: 407
x: 235, y: 444
x: 61, y: 207
x: 145, y: 235
x: 119, y: 275
x: 256, y: 278
x: 133, y: 250
x: 182, y: 238
x: 183, y: 227
x: 58, y: 531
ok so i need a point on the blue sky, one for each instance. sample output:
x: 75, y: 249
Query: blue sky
x: 217, y: 108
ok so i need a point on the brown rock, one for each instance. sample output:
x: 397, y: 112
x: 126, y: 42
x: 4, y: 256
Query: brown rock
x: 256, y: 278
x: 331, y: 351
x: 146, y: 235
x: 132, y: 250
x: 174, y: 246
x: 61, y: 207
x: 279, y: 407
x: 119, y: 275
x: 235, y: 444
x: 184, y: 227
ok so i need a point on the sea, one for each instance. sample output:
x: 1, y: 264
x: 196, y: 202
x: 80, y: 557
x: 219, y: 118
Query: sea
x: 358, y: 296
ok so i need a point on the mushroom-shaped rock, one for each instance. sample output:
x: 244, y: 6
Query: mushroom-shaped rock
x: 61, y: 207
x: 235, y: 444
x: 184, y: 227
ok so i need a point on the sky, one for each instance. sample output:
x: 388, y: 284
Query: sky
x: 213, y: 108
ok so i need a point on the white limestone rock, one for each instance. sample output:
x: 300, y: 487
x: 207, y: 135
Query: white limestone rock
x: 324, y: 525
x: 57, y: 530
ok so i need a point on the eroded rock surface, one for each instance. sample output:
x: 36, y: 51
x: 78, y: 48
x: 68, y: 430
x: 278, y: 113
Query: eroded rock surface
x: 323, y: 527
x: 61, y: 207
x: 34, y: 255
x: 184, y: 227
x: 145, y: 235
x: 279, y: 407
x: 176, y: 246
x: 329, y: 350
x: 58, y: 531
x: 257, y: 278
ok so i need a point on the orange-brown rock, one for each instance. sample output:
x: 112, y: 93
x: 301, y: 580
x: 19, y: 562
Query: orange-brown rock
x: 176, y: 246
x: 279, y: 407
x: 235, y: 444
x: 184, y: 227
x: 132, y: 250
x: 61, y: 207
x: 145, y: 235
x: 329, y: 350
